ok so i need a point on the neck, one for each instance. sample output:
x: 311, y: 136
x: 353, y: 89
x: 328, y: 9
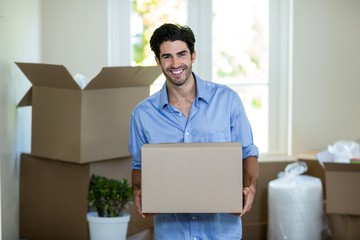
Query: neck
x: 182, y: 93
x: 182, y: 97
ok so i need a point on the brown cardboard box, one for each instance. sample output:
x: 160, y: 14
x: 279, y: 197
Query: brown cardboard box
x: 338, y: 180
x: 53, y: 194
x: 341, y: 194
x: 147, y: 234
x: 87, y: 125
x: 344, y: 227
x: 267, y: 171
x: 255, y: 231
x: 192, y: 177
x: 342, y: 190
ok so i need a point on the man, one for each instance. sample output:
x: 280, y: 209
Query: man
x: 188, y: 109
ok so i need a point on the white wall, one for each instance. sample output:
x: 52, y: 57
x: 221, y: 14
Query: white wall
x: 19, y: 41
x: 86, y: 35
x: 326, y: 73
x: 74, y: 34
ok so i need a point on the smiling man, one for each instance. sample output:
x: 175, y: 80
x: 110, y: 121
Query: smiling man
x: 189, y: 109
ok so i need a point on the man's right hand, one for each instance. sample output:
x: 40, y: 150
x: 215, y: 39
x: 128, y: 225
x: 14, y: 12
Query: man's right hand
x: 137, y: 201
x: 136, y: 187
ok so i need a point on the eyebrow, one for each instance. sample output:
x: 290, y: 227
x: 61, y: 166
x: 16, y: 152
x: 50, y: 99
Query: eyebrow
x: 168, y: 54
x: 181, y: 52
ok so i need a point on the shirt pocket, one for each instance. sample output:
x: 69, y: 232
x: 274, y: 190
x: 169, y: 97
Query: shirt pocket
x: 213, y: 136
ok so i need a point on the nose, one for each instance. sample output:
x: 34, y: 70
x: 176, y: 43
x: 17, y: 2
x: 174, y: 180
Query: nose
x: 176, y: 62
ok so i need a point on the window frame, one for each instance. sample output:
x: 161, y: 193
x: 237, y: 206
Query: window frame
x: 280, y: 77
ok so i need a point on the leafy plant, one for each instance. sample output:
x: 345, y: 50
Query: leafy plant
x: 110, y: 197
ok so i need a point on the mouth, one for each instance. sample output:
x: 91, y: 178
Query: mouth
x: 176, y: 72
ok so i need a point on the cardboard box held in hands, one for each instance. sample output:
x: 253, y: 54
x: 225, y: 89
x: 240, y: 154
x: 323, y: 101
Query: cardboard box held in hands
x: 80, y: 126
x: 191, y: 177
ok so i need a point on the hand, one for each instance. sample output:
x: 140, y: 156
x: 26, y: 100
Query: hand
x: 137, y: 202
x: 249, y: 195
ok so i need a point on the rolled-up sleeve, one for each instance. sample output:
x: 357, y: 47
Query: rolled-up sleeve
x: 136, y: 140
x: 241, y: 129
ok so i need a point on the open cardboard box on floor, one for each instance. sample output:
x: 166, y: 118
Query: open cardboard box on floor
x: 191, y: 177
x: 53, y: 197
x: 342, y: 190
x: 344, y: 227
x: 342, y: 195
x: 83, y: 125
x: 339, y: 180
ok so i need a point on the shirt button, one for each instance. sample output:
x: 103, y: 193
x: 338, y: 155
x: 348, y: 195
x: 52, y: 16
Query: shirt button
x: 193, y: 218
x: 187, y: 133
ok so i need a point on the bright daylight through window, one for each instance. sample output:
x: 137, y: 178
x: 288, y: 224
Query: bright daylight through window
x: 240, y: 57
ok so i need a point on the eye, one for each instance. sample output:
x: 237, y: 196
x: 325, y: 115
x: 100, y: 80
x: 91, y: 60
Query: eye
x: 166, y: 57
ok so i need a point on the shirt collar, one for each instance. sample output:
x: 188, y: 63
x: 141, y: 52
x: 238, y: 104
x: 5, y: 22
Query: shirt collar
x: 201, y: 93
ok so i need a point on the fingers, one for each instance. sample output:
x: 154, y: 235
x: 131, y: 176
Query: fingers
x: 249, y: 195
x: 137, y: 201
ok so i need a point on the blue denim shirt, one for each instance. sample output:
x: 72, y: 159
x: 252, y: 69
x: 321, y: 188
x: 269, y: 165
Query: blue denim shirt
x: 217, y: 115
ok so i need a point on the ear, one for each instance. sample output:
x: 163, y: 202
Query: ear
x: 157, y: 61
x: 193, y: 57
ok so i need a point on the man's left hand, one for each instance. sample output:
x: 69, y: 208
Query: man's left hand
x: 249, y: 195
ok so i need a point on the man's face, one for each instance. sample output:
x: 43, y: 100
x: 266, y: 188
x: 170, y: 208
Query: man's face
x: 176, y: 61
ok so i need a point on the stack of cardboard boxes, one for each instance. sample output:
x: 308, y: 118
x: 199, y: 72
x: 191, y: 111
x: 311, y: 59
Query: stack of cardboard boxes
x: 76, y: 133
x: 341, y: 195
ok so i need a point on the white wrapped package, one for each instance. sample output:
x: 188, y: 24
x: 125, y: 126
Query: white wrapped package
x: 81, y: 80
x: 295, y: 204
x: 343, y: 151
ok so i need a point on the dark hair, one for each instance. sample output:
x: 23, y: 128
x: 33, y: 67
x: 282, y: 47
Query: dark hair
x: 172, y: 32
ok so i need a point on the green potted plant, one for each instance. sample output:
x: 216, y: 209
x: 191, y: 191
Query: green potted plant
x: 110, y: 198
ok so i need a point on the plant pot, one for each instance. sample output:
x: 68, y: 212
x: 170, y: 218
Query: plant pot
x: 109, y: 228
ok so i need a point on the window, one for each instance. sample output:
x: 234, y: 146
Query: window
x: 240, y: 57
x: 244, y: 44
x: 145, y: 18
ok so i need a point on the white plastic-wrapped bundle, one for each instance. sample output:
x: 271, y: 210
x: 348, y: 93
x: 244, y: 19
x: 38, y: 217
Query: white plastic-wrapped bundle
x: 295, y: 204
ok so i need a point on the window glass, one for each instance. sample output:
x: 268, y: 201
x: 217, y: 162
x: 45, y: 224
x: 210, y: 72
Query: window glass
x: 240, y: 57
x: 146, y: 16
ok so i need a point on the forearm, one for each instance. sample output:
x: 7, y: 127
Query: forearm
x: 251, y: 172
x: 136, y: 180
x: 136, y: 186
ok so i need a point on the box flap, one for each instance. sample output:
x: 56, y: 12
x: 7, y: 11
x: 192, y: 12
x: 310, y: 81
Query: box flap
x: 116, y: 77
x: 26, y: 100
x: 342, y: 167
x: 48, y: 75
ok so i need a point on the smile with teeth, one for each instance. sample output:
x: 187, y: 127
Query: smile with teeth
x: 177, y: 71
